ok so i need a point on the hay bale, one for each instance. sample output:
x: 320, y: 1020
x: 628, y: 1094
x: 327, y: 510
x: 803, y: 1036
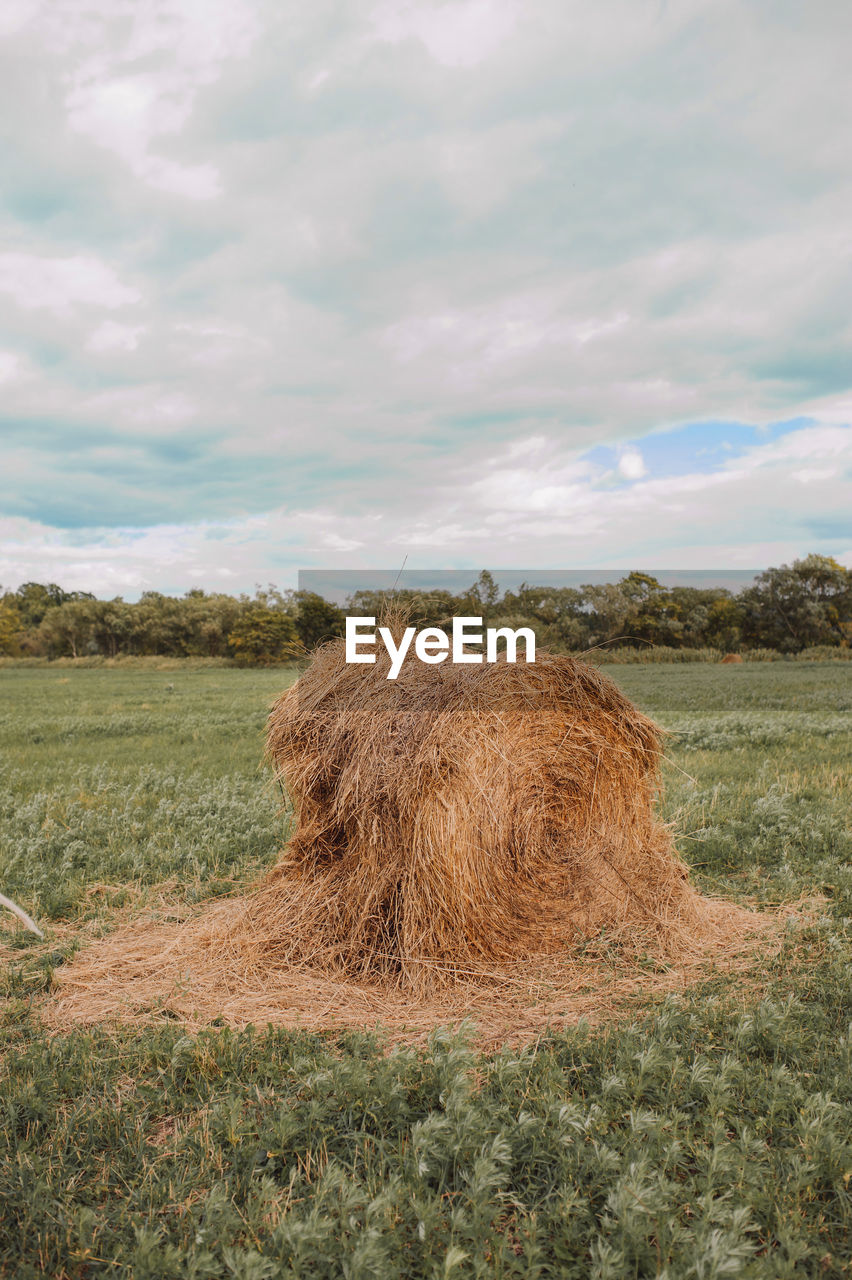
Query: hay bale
x: 464, y: 815
x: 731, y: 658
x: 449, y: 827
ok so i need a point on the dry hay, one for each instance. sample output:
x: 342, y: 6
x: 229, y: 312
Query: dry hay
x: 150, y: 972
x: 460, y: 828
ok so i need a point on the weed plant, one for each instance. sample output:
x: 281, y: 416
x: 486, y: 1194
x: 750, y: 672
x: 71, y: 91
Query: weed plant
x: 641, y: 655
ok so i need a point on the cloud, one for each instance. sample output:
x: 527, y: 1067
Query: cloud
x: 134, y: 73
x: 460, y: 35
x: 631, y: 464
x: 58, y: 284
x: 344, y: 260
x: 535, y: 506
x: 9, y: 366
x: 112, y: 336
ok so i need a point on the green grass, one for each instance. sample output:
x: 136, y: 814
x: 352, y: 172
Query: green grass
x: 133, y: 778
x: 710, y: 1138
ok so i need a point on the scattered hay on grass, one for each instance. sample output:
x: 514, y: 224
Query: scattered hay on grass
x: 151, y: 972
x: 461, y: 834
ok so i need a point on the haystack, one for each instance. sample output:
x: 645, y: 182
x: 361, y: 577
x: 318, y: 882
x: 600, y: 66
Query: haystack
x: 449, y: 827
x: 463, y: 815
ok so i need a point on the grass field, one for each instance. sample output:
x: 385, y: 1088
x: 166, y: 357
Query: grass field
x: 709, y: 1137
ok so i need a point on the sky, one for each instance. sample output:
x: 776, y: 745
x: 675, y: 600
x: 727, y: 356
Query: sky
x: 461, y: 283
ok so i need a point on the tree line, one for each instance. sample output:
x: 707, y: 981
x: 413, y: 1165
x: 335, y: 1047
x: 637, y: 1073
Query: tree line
x: 788, y: 609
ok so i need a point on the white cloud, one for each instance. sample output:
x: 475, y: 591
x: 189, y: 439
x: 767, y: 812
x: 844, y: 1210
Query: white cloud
x: 9, y: 366
x: 808, y: 474
x: 820, y: 440
x: 832, y: 408
x: 480, y: 168
x: 593, y: 329
x: 135, y: 74
x: 335, y: 542
x: 461, y: 34
x: 15, y: 14
x: 57, y: 284
x: 112, y: 336
x: 522, y: 335
x: 155, y: 408
x: 631, y: 464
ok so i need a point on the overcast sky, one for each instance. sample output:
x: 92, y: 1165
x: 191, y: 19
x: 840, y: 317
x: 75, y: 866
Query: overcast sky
x: 483, y: 283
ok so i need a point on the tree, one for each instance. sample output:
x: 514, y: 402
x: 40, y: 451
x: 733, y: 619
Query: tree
x: 421, y: 608
x: 561, y: 621
x: 67, y: 628
x: 612, y: 612
x: 261, y: 636
x: 677, y: 616
x: 112, y: 626
x: 481, y: 599
x: 317, y: 620
x: 34, y: 599
x: 640, y: 587
x: 214, y: 619
x: 724, y: 626
x: 11, y: 628
x: 272, y: 598
x: 806, y: 603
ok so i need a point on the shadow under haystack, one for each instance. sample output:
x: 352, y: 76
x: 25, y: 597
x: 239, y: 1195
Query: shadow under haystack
x: 464, y: 815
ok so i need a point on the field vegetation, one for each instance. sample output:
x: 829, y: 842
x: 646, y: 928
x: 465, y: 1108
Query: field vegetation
x: 705, y: 1134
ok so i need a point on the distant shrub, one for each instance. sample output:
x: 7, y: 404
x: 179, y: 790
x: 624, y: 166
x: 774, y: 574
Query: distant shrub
x: 651, y: 653
x: 824, y: 653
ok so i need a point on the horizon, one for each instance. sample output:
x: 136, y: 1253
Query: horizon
x: 338, y: 586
